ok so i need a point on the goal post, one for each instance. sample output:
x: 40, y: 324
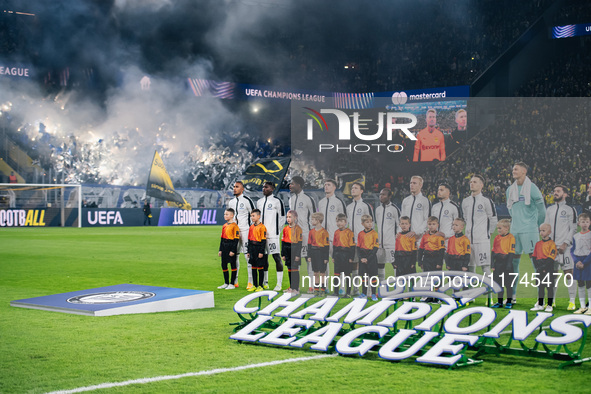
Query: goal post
x: 40, y: 205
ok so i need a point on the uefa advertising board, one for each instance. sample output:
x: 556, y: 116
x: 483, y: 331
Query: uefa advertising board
x: 110, y: 217
x: 105, y: 217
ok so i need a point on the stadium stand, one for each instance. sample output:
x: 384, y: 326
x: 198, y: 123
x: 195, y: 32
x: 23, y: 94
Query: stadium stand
x: 459, y: 59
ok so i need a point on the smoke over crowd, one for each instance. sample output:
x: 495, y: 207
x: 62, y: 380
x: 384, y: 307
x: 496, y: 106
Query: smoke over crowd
x: 109, y: 82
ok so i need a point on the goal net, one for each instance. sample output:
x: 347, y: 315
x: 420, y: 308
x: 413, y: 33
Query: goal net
x: 40, y: 205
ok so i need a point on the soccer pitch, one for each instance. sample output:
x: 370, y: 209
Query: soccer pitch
x: 45, y: 351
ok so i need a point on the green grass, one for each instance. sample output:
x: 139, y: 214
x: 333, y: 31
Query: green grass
x: 42, y: 351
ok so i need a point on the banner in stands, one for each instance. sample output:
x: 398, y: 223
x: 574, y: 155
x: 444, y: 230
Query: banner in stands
x: 430, y: 94
x: 231, y: 90
x: 160, y: 185
x: 14, y: 70
x: 272, y: 169
x: 46, y: 217
x: 124, y: 217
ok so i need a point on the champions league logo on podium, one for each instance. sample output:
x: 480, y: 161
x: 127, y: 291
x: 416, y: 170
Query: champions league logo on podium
x: 120, y: 300
x: 111, y: 297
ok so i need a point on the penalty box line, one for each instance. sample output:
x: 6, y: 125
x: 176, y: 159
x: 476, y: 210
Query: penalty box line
x: 190, y: 374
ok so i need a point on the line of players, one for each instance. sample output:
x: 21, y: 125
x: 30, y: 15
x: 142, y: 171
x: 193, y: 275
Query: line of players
x: 430, y: 230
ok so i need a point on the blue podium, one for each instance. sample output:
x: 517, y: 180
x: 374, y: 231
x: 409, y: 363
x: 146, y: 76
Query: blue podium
x: 121, y: 299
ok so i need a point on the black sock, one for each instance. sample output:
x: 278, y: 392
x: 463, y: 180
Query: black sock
x: 226, y: 276
x: 255, y: 277
x: 261, y: 277
x: 233, y: 279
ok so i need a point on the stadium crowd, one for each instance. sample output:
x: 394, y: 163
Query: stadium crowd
x: 474, y: 37
x: 385, y: 64
x: 551, y: 139
x: 568, y: 77
x: 463, y: 56
x: 74, y: 158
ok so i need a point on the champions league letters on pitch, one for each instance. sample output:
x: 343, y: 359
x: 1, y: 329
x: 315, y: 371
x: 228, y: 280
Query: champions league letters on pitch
x: 323, y: 327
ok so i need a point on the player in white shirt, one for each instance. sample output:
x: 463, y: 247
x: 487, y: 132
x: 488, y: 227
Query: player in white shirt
x: 331, y: 206
x: 387, y: 225
x: 355, y: 211
x: 305, y: 207
x: 242, y: 205
x: 481, y: 221
x: 581, y: 253
x: 446, y: 211
x: 563, y: 221
x: 418, y: 208
x: 273, y: 217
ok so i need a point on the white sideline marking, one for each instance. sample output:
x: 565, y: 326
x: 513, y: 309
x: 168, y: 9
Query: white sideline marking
x: 189, y: 374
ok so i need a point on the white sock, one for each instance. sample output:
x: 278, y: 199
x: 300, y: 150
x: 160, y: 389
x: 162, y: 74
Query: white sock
x: 266, y: 277
x: 382, y: 274
x: 582, y: 296
x: 310, y: 272
x: 237, y: 267
x: 572, y: 291
x: 280, y: 278
x: 249, y: 269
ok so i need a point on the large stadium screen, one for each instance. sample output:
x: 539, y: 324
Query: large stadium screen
x: 395, y: 135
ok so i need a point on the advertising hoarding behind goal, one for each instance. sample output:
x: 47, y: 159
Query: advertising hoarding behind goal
x: 40, y: 205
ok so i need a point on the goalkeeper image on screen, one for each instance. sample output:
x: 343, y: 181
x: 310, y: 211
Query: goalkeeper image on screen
x: 430, y: 144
